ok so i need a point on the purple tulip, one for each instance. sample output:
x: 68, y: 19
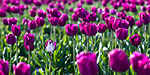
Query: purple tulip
x: 106, y: 9
x: 64, y: 16
x: 113, y: 11
x: 81, y: 12
x: 101, y: 28
x: 115, y: 5
x: 135, y: 40
x: 125, y: 6
x: 15, y: 2
x: 81, y: 25
x: 122, y: 15
x: 109, y: 22
x: 89, y: 2
x: 39, y: 21
x: 32, y: 24
x: 116, y: 23
x: 92, y: 16
x: 22, y: 69
x: 141, y: 2
x: 130, y: 19
x: 14, y: 9
x: 4, y: 66
x: 12, y: 21
x: 138, y: 23
x: 105, y: 15
x: 132, y: 7
x: 137, y: 61
x: 53, y: 21
x: 25, y: 21
x: 144, y: 17
x: 71, y: 29
x: 71, y: 9
x: 100, y: 11
x: 2, y: 13
x: 54, y: 12
x: 37, y: 3
x: 51, y: 5
x: 27, y: 1
x: 74, y: 17
x: 122, y: 33
x: 143, y: 8
x: 32, y: 13
x: 5, y: 21
x: 28, y: 46
x: 21, y: 7
x: 87, y: 63
x: 16, y: 30
x: 10, y: 39
x: 41, y: 13
x: 93, y: 9
x: 124, y: 24
x: 28, y: 38
x: 50, y: 45
x: 118, y: 60
x: 90, y: 29
x: 79, y: 5
x: 61, y: 22
x: 148, y: 8
x: 104, y: 3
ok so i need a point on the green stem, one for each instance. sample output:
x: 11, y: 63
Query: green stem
x: 116, y: 43
x: 111, y: 39
x: 130, y: 30
x: 10, y: 59
x: 101, y: 38
x: 87, y: 45
x: 54, y: 33
x: 29, y: 55
x: 145, y: 39
x: 51, y: 32
x: 92, y: 44
x: 121, y: 44
x: 17, y: 49
x: 74, y: 56
x: 50, y: 64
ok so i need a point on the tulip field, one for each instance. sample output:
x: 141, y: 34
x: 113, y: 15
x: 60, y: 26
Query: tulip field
x: 74, y: 37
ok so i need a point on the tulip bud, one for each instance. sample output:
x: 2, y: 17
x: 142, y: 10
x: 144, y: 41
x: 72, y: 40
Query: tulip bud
x: 5, y: 21
x: 28, y: 46
x: 116, y: 23
x: 138, y: 23
x: 22, y: 69
x: 12, y: 21
x: 124, y: 24
x: 71, y: 29
x: 32, y: 24
x: 135, y: 40
x: 143, y: 8
x: 94, y: 9
x: 64, y: 16
x: 71, y: 9
x: 28, y: 38
x: 39, y: 21
x: 141, y: 2
x: 89, y: 2
x: 37, y: 3
x: 101, y: 28
x: 109, y: 22
x: 90, y: 29
x: 61, y: 22
x: 2, y: 13
x: 100, y: 11
x: 122, y: 33
x: 92, y: 16
x: 105, y: 15
x: 25, y: 21
x: 74, y: 17
x: 106, y: 9
x: 122, y: 15
x: 51, y: 5
x: 132, y: 7
x: 16, y: 30
x: 53, y: 21
x: 118, y: 60
x: 14, y: 9
x: 137, y: 61
x: 115, y: 5
x: 41, y: 13
x: 125, y: 6
x: 113, y: 11
x: 130, y: 19
x: 10, y: 39
x: 4, y: 66
x: 81, y: 25
x: 50, y: 45
x: 27, y: 1
x: 144, y: 17
x: 87, y: 63
x: 32, y: 13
